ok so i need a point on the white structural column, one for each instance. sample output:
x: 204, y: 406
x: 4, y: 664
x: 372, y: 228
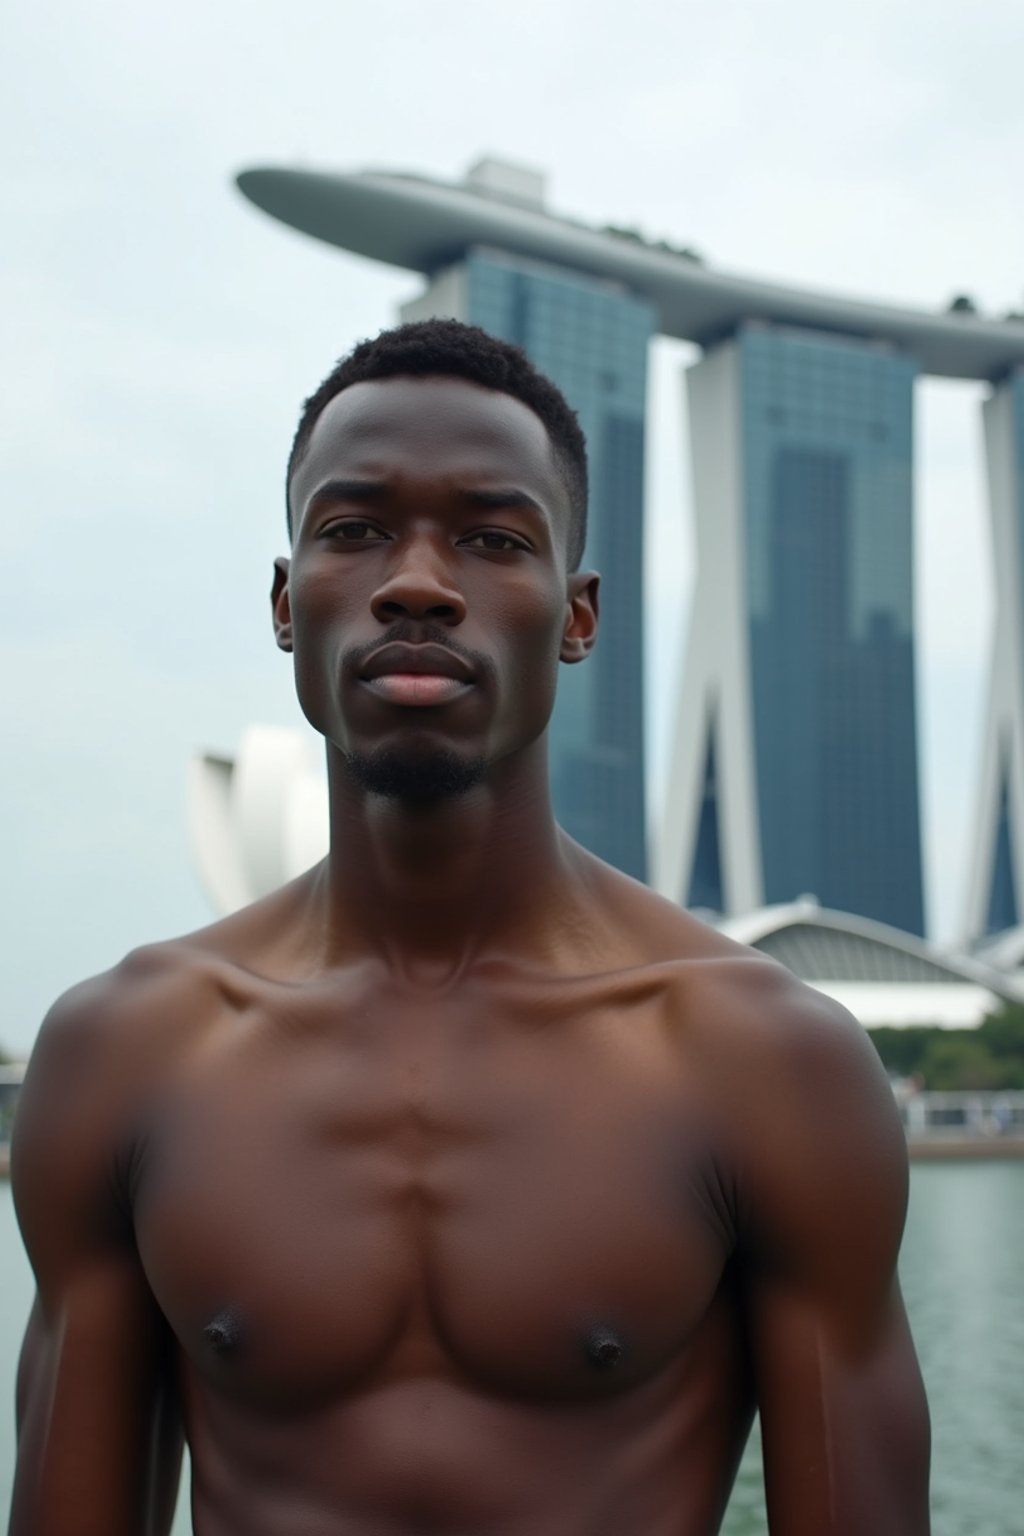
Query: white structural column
x: 716, y: 694
x: 1002, y: 761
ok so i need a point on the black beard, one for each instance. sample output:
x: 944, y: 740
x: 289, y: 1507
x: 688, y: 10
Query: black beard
x: 414, y: 779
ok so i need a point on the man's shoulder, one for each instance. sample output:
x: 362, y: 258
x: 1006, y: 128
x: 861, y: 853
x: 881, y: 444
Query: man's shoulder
x: 108, y: 1038
x: 111, y: 1008
x: 87, y: 1076
x: 155, y: 986
x: 108, y: 1046
x: 755, y: 1005
x: 784, y: 1061
x: 123, y: 1025
x: 730, y: 985
x: 745, y: 998
x: 804, y: 1104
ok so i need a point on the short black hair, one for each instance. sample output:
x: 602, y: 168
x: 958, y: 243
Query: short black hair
x: 448, y: 348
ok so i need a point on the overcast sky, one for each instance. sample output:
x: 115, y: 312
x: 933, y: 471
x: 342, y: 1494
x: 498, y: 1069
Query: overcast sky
x: 159, y: 334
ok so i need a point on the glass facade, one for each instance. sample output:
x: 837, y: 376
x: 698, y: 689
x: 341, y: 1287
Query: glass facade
x: 591, y: 338
x: 1003, y: 911
x: 706, y: 892
x: 827, y: 494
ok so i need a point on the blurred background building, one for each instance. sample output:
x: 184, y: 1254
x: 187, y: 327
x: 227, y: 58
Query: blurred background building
x: 795, y: 764
x: 795, y: 770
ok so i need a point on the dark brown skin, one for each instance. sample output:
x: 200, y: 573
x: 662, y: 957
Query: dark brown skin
x: 463, y: 1187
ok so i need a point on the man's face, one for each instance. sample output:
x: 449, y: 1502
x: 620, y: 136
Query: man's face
x: 427, y: 600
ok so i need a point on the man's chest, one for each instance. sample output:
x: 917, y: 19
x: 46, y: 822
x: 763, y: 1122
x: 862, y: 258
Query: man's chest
x: 533, y: 1210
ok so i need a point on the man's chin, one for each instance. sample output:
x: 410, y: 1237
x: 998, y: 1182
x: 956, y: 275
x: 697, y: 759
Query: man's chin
x: 422, y: 778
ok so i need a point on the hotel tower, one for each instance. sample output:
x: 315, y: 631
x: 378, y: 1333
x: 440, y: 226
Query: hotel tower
x: 795, y: 763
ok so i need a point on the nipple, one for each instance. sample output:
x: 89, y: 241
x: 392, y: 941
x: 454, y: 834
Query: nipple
x: 223, y: 1333
x: 604, y: 1347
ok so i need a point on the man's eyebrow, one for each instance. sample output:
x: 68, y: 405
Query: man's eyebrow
x: 346, y: 490
x: 498, y: 500
x: 367, y: 492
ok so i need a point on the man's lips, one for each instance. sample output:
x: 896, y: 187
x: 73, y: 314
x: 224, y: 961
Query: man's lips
x: 416, y: 674
x: 416, y: 687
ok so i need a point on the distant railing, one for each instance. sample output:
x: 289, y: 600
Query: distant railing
x: 968, y: 1115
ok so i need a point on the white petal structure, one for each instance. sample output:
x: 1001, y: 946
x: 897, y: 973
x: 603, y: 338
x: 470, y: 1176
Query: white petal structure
x: 258, y: 819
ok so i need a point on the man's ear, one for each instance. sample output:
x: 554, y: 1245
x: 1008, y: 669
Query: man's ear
x: 580, y: 631
x: 280, y: 604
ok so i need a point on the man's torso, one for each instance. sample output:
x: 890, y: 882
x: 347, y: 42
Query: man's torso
x: 449, y: 1258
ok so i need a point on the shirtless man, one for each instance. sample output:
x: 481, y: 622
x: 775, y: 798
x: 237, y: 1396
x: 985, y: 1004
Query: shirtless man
x: 463, y: 1187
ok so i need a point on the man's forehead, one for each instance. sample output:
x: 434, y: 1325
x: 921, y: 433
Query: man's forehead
x: 427, y: 422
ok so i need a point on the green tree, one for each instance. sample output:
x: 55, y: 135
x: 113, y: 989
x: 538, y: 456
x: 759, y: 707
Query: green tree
x: 1004, y: 1031
x: 988, y: 1057
x: 902, y: 1050
x: 958, y: 1061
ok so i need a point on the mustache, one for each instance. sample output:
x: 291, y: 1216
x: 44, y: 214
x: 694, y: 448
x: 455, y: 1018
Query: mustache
x: 418, y: 632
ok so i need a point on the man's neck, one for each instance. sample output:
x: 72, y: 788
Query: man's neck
x: 432, y: 887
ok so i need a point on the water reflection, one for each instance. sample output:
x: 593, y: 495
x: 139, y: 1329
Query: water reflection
x: 962, y: 1272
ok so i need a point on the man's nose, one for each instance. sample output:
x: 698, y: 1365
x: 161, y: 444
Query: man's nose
x: 418, y: 585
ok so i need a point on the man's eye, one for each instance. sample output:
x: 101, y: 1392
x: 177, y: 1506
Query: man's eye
x: 354, y: 532
x: 489, y: 539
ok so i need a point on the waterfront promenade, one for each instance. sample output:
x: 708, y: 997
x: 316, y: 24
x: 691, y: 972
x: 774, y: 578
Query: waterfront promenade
x: 962, y: 1124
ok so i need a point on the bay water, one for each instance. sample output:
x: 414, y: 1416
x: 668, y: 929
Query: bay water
x: 962, y: 1269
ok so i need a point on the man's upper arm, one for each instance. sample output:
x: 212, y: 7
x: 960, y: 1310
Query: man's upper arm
x: 823, y: 1199
x: 99, y: 1445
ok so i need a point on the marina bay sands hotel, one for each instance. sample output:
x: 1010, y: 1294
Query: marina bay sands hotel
x: 795, y: 766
